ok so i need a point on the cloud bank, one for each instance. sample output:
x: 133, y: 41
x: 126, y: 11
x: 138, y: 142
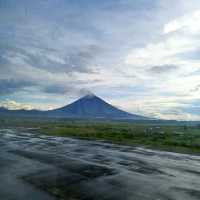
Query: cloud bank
x: 143, y: 56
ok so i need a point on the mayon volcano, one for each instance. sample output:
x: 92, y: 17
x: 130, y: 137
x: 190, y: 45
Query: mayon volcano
x: 87, y: 107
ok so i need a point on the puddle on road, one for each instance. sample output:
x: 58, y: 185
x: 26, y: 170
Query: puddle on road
x: 69, y: 180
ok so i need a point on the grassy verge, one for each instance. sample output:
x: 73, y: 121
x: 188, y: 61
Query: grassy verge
x: 172, y: 138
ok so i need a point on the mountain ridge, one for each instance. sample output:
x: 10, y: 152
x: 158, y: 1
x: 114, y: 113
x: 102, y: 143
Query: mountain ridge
x: 88, y: 106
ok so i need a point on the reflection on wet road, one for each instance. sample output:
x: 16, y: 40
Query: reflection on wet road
x: 36, y: 167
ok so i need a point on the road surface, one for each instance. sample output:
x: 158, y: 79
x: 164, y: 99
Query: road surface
x: 37, y: 167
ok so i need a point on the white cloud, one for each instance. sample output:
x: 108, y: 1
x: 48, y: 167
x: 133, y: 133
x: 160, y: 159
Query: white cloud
x: 159, y: 107
x: 178, y: 38
x: 162, y: 52
x: 187, y: 23
x: 13, y: 105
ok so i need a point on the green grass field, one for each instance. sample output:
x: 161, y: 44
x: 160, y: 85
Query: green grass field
x: 180, y: 138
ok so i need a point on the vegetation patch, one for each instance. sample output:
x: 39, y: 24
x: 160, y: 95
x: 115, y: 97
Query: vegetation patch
x: 174, y: 137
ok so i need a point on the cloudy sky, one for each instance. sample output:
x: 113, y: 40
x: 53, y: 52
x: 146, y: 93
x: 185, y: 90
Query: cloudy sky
x: 140, y: 55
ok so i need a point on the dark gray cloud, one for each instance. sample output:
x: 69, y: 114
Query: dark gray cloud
x: 73, y: 60
x: 20, y: 68
x: 160, y: 69
x: 17, y: 78
x: 8, y: 86
x: 58, y: 89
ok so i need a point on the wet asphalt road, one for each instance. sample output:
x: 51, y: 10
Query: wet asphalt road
x: 35, y: 167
